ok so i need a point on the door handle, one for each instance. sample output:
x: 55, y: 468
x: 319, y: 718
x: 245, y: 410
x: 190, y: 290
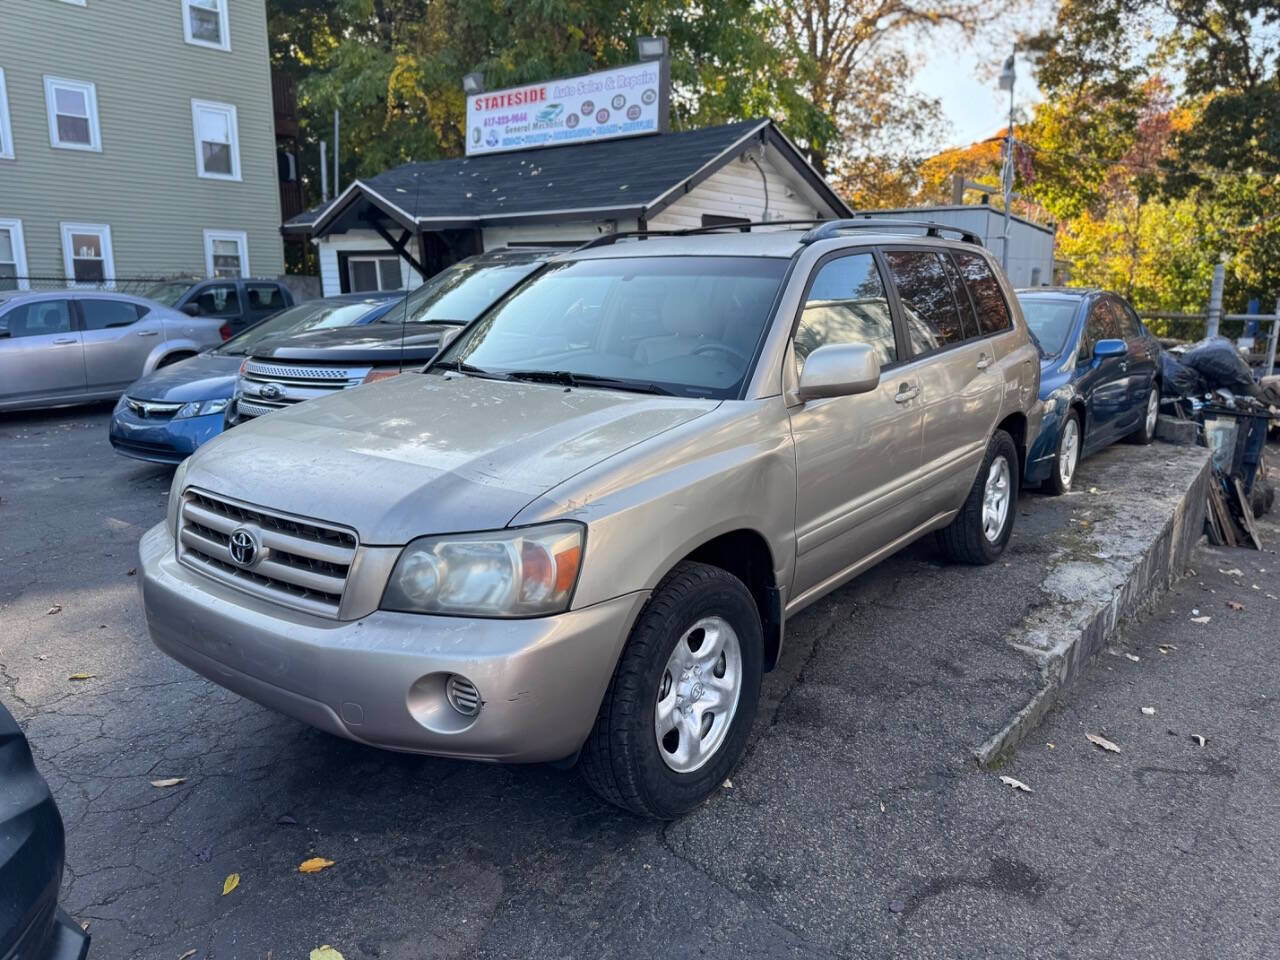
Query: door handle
x: 983, y: 362
x: 148, y: 333
x: 63, y: 340
x: 906, y: 392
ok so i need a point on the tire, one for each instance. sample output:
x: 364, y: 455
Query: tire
x: 1147, y: 432
x: 1059, y: 481
x: 623, y: 760
x: 964, y: 539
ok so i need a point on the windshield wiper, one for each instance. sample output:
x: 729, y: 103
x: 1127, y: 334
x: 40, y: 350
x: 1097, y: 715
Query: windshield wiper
x: 586, y: 380
x: 469, y: 369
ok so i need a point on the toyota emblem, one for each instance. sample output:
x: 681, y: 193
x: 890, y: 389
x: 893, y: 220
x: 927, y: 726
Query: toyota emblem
x: 271, y: 391
x: 244, y: 546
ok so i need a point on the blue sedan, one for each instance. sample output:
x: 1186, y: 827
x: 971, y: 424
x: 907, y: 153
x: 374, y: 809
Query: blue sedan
x: 163, y: 417
x: 1099, y: 379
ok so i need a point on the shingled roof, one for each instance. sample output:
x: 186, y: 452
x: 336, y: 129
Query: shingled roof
x: 612, y: 178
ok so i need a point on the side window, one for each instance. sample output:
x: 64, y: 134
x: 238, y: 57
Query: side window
x: 928, y: 306
x: 104, y: 314
x: 1129, y: 326
x: 993, y: 312
x: 219, y: 300
x: 1101, y: 325
x: 968, y: 317
x: 847, y: 304
x: 37, y: 319
x: 264, y: 297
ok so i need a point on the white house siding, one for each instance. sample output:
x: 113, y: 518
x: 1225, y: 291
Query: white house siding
x: 553, y: 232
x: 355, y: 241
x: 737, y: 190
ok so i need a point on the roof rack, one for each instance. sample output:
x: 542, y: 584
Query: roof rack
x: 832, y: 228
x: 606, y: 239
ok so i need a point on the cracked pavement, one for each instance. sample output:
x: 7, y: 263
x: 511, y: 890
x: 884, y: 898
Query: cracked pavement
x: 856, y: 826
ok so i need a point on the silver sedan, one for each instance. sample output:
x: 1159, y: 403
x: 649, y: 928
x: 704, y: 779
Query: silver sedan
x: 61, y: 347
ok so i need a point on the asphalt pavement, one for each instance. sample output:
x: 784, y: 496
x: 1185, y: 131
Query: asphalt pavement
x: 857, y: 826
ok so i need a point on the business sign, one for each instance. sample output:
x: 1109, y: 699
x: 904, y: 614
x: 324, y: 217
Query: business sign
x: 624, y: 102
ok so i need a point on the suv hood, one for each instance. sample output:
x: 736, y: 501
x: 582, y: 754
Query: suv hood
x: 421, y: 454
x: 372, y: 343
x: 208, y: 376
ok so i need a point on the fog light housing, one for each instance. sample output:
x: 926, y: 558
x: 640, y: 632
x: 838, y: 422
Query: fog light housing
x: 462, y: 695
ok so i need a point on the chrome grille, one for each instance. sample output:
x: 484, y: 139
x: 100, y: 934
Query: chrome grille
x: 300, y: 563
x: 150, y: 409
x: 266, y: 386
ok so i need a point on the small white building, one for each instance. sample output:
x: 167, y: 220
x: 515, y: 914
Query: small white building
x: 1030, y: 244
x: 399, y: 227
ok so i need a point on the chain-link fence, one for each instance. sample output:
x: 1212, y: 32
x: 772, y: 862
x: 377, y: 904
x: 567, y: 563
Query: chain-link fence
x: 138, y: 286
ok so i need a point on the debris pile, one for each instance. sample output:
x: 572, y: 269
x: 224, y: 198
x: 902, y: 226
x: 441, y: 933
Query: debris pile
x: 1211, y: 385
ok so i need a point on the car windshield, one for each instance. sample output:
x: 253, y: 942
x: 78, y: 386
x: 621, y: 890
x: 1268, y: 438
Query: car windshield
x: 683, y: 325
x: 461, y: 293
x: 1050, y: 320
x: 168, y: 292
x: 317, y: 315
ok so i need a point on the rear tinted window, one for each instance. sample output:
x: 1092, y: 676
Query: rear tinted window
x: 102, y: 314
x: 928, y: 306
x: 993, y: 312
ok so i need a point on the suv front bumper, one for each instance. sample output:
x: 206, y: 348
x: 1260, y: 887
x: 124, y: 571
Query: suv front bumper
x: 381, y: 679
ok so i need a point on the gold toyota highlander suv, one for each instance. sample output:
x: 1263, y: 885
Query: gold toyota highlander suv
x: 580, y: 531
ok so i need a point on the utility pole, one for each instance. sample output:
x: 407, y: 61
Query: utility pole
x: 324, y: 172
x: 336, y: 188
x: 1007, y: 77
x: 1215, y: 298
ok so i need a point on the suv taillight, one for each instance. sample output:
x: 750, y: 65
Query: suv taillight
x: 225, y: 331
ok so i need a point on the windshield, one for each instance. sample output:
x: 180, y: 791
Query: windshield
x: 461, y: 293
x: 168, y: 292
x: 684, y: 325
x: 1050, y: 320
x: 306, y: 316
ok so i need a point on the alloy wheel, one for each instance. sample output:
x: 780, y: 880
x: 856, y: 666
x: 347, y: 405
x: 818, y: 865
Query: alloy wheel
x: 1153, y: 410
x: 995, y: 499
x: 1069, y: 452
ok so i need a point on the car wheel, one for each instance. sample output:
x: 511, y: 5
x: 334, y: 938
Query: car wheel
x: 984, y: 524
x: 1067, y: 458
x: 1147, y: 432
x: 679, y: 708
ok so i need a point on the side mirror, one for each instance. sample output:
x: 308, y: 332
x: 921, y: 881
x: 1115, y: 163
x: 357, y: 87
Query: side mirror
x: 191, y: 309
x: 839, y: 370
x: 1109, y: 348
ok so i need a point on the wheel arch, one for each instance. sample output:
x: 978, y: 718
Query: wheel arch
x: 1015, y: 424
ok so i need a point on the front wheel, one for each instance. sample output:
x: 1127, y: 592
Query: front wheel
x: 678, y: 711
x: 1067, y: 458
x: 1151, y: 416
x: 982, y: 528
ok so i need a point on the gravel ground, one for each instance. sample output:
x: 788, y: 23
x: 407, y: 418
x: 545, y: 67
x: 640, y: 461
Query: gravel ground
x: 856, y: 826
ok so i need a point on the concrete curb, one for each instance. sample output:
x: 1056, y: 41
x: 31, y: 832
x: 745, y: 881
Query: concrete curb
x: 1142, y: 512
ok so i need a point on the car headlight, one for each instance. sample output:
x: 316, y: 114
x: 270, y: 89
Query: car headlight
x: 1058, y: 398
x: 522, y: 572
x: 199, y: 408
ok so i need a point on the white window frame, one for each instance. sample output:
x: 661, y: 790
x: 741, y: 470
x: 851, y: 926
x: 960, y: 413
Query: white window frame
x: 6, y: 127
x: 90, y: 92
x: 224, y: 27
x: 242, y: 240
x: 19, y: 250
x: 233, y: 125
x: 376, y: 258
x: 103, y: 232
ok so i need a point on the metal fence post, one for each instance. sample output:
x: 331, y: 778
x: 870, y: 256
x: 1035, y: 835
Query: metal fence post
x: 1215, y: 299
x: 1275, y: 335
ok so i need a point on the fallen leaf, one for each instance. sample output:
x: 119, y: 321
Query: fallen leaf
x: 1235, y: 606
x: 56, y: 608
x: 1233, y: 572
x: 1198, y: 739
x: 1132, y: 657
x: 229, y: 884
x: 1201, y: 620
x: 287, y: 821
x: 43, y: 656
x: 81, y: 676
x: 1166, y: 647
x: 1148, y: 711
x: 882, y: 806
x: 84, y: 925
x: 325, y: 953
x: 1016, y: 784
x: 168, y: 782
x: 189, y: 953
x: 1052, y: 746
x: 1102, y: 742
x: 728, y: 784
x: 314, y: 865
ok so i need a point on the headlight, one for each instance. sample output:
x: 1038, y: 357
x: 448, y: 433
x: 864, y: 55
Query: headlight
x: 523, y: 572
x: 1058, y: 398
x: 201, y: 407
